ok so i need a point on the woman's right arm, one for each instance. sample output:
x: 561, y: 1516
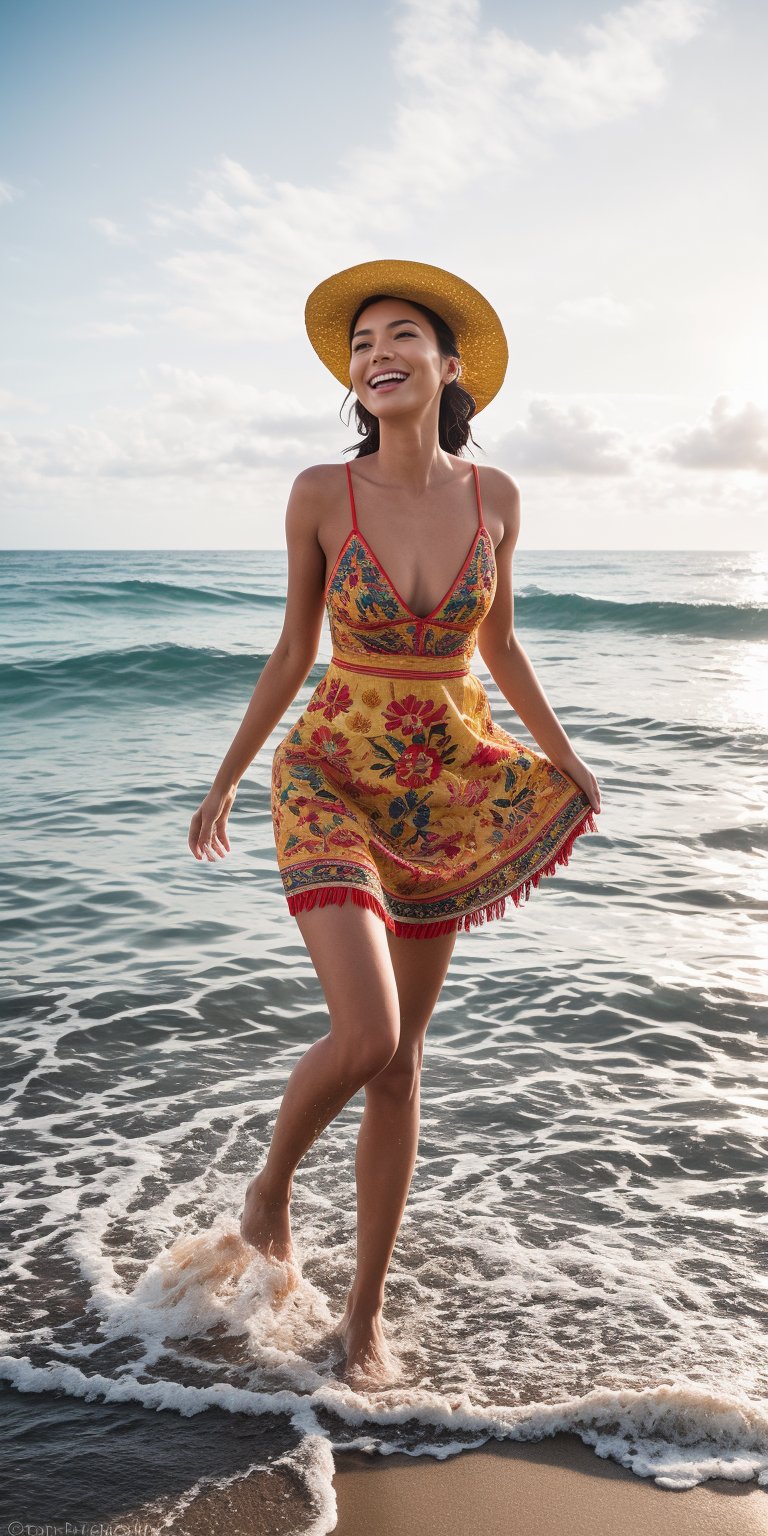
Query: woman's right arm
x: 284, y: 671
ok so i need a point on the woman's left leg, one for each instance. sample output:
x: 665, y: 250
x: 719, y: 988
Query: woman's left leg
x: 388, y: 1137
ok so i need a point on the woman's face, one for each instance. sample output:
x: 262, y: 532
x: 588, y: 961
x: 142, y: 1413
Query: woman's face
x: 392, y: 336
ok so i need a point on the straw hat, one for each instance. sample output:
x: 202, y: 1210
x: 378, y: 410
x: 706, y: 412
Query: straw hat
x: 476, y: 326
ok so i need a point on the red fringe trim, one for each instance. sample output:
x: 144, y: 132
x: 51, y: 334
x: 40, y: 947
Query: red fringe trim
x: 336, y: 895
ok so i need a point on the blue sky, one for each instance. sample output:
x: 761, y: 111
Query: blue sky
x: 175, y: 178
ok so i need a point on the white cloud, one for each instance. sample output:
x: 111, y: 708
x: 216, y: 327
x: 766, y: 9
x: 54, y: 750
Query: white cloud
x: 562, y: 440
x: 212, y: 448
x: 112, y: 231
x: 216, y: 396
x: 449, y: 127
x: 730, y: 438
x: 111, y: 330
x: 134, y: 297
x: 10, y: 401
x: 212, y: 426
x: 9, y: 193
x: 191, y: 425
x: 620, y: 71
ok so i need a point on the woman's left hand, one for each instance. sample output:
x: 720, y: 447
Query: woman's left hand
x: 576, y: 769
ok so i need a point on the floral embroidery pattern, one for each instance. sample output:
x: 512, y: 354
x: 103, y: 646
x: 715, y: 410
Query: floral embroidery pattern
x: 332, y: 696
x: 417, y: 766
x: 395, y: 787
x: 412, y: 714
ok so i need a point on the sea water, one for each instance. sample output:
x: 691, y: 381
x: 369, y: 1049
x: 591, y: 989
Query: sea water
x: 584, y: 1245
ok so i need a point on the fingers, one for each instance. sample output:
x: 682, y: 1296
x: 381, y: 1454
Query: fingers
x: 204, y: 843
x: 595, y: 794
x: 208, y: 837
x: 212, y: 846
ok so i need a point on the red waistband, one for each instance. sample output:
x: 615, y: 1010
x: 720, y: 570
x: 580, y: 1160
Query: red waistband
x: 419, y: 670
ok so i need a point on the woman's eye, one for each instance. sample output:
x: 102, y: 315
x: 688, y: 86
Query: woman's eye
x: 397, y: 338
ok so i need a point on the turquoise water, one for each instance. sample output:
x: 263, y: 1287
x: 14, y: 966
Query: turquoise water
x: 584, y: 1242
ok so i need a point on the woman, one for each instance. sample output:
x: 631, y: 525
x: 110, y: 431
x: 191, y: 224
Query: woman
x: 401, y: 810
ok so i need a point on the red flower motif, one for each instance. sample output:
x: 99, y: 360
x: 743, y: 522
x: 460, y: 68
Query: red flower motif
x: 367, y: 789
x: 332, y: 746
x: 333, y: 701
x: 486, y: 753
x: 411, y: 714
x: 450, y: 846
x: 313, y: 808
x: 345, y: 837
x: 472, y: 792
x: 418, y: 766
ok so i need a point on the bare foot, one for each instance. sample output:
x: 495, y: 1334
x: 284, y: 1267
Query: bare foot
x: 368, y: 1356
x: 265, y: 1222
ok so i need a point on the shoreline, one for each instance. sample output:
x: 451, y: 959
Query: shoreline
x: 555, y: 1487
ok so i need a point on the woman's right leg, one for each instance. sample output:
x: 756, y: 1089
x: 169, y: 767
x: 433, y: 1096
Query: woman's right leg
x: 349, y: 950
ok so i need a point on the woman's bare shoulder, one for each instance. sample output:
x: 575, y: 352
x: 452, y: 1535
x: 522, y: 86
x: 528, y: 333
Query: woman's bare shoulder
x: 501, y: 498
x: 312, y: 504
x: 498, y: 482
x: 319, y: 480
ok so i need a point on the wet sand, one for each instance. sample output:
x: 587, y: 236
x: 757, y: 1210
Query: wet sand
x: 556, y: 1487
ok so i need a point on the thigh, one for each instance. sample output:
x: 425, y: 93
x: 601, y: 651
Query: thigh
x: 420, y: 967
x: 348, y: 948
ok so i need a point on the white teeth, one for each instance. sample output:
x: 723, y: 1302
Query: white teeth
x: 385, y: 378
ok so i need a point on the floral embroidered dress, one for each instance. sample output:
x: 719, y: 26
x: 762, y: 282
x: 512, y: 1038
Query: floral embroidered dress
x: 396, y: 788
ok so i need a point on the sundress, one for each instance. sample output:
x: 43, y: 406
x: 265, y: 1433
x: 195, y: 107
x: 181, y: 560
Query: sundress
x: 396, y: 788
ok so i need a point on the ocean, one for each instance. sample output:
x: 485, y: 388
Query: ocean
x: 584, y: 1245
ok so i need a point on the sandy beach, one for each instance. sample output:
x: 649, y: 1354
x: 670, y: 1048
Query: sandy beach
x: 556, y: 1487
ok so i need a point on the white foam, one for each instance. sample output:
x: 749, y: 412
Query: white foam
x: 678, y: 1435
x: 583, y: 1216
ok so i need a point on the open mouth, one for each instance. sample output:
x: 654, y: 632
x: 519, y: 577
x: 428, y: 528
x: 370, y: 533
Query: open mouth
x: 385, y: 381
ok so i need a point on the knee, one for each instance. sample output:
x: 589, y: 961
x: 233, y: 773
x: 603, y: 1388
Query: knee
x: 401, y: 1074
x: 370, y: 1052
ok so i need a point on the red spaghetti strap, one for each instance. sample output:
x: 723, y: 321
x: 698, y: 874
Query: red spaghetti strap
x: 480, y: 523
x: 352, y: 498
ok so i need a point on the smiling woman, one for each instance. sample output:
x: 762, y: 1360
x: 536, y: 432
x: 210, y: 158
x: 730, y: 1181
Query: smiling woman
x: 396, y: 790
x: 401, y: 810
x: 457, y: 405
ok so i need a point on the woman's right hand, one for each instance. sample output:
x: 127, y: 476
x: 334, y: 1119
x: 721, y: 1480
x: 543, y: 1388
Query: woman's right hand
x: 208, y: 827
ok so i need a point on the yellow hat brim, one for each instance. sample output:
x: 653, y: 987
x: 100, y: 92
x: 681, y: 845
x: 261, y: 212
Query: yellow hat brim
x: 475, y: 324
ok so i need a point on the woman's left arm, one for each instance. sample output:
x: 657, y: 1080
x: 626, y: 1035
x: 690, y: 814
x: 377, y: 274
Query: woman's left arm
x: 504, y: 656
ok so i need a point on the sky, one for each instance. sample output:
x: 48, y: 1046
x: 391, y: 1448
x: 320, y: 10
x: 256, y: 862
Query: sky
x: 177, y: 175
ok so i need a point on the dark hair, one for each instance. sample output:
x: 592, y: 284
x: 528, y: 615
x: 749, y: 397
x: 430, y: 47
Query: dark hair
x: 457, y: 406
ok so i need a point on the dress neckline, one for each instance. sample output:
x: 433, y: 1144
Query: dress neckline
x: 421, y: 618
